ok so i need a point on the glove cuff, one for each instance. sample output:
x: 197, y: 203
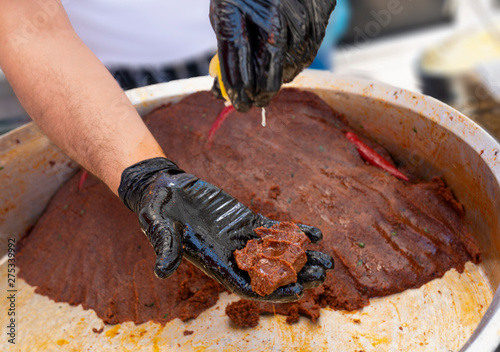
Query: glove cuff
x: 136, y: 178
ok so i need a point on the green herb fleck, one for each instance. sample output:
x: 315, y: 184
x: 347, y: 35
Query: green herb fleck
x: 138, y: 247
x: 165, y: 316
x: 1, y: 167
x: 251, y: 202
x: 361, y: 244
x: 82, y: 211
x: 293, y: 117
x: 394, y: 233
x: 414, y: 129
x: 414, y: 97
x: 426, y: 230
x: 336, y: 125
x: 289, y: 200
x: 204, y: 114
x: 65, y: 206
x: 321, y: 148
x: 150, y: 305
x: 293, y: 175
x: 361, y: 126
x: 359, y: 263
x: 356, y: 212
x: 185, y: 127
x: 59, y: 236
x: 320, y: 222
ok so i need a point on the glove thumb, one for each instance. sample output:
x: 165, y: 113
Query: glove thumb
x: 166, y: 238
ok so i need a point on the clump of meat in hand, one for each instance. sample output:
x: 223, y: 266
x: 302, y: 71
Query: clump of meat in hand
x: 275, y: 259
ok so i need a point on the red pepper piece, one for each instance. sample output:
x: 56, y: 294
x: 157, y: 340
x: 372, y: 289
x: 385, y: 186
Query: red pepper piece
x: 372, y: 157
x: 82, y: 179
x: 218, y: 122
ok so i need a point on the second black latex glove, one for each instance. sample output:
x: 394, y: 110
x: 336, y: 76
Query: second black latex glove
x: 265, y: 43
x: 183, y: 216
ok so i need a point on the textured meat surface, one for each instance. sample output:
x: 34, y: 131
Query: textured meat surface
x: 275, y: 259
x: 385, y: 235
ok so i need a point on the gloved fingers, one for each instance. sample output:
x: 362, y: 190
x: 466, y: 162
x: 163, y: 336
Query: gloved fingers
x: 261, y: 220
x: 169, y: 249
x: 289, y: 293
x: 269, y: 51
x: 314, y: 271
x: 314, y: 234
x: 316, y: 258
x: 166, y: 238
x: 307, y: 21
x: 216, y: 89
x: 297, y: 18
x: 319, y: 12
x: 311, y: 276
x: 235, y: 54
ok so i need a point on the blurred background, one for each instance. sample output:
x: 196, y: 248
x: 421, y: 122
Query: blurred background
x: 449, y: 49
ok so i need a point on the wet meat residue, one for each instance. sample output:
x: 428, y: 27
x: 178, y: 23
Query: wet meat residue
x: 98, y: 331
x: 243, y: 313
x: 275, y: 259
x: 385, y: 235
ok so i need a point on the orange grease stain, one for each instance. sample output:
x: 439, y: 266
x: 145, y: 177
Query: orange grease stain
x: 113, y: 332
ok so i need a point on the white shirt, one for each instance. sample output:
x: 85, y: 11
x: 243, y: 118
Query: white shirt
x: 137, y: 33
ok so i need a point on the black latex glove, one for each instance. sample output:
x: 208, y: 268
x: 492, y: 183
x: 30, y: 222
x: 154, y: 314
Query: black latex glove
x: 184, y: 216
x: 265, y: 43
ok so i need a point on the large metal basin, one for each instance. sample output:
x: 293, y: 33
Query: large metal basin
x: 457, y: 312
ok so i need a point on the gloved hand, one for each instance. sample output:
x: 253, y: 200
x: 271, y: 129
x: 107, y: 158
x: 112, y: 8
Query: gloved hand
x: 265, y: 43
x: 184, y: 216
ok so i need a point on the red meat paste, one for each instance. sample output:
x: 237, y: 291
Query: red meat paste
x: 88, y: 248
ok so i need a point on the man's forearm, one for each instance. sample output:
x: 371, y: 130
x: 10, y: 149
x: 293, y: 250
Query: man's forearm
x: 68, y: 92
